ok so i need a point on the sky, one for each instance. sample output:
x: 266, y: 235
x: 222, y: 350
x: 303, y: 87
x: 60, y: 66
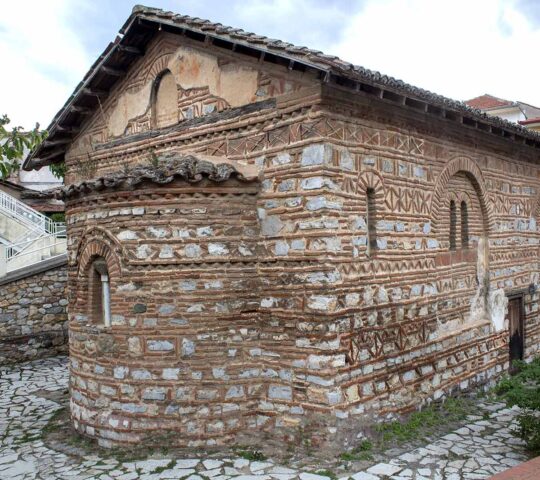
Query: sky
x: 459, y: 48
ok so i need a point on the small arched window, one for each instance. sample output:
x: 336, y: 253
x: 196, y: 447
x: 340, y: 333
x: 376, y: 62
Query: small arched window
x: 371, y: 221
x: 99, y: 304
x: 464, y: 225
x: 453, y: 225
x: 164, y: 100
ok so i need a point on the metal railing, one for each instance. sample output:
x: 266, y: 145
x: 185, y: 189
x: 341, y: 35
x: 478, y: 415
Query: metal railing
x: 41, y: 240
x: 28, y: 216
x: 41, y: 249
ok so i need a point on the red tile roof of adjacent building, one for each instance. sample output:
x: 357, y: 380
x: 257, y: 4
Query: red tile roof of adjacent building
x: 486, y: 101
x: 529, y: 121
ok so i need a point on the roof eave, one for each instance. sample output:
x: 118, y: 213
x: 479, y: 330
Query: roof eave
x: 32, y: 161
x: 339, y: 72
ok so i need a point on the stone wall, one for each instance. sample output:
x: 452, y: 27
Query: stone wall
x: 258, y: 306
x: 33, y: 316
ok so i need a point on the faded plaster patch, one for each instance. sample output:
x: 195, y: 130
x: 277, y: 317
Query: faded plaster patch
x: 237, y: 85
x: 193, y: 69
x: 130, y: 105
x: 498, y: 303
x: 234, y: 83
x: 478, y: 304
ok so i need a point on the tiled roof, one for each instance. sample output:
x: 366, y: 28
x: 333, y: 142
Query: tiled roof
x: 331, y: 63
x: 485, y: 102
x: 144, y: 21
x: 168, y: 168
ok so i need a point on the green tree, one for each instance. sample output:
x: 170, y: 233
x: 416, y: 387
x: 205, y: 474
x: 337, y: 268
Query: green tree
x: 13, y: 143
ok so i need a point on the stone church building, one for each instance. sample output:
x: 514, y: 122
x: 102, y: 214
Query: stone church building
x: 264, y: 238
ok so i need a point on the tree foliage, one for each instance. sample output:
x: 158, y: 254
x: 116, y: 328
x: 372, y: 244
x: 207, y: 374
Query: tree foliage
x: 13, y: 144
x: 58, y: 170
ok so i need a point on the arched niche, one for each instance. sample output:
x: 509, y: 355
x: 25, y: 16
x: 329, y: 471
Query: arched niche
x: 164, y: 100
x: 466, y: 168
x: 97, y: 274
x: 369, y: 193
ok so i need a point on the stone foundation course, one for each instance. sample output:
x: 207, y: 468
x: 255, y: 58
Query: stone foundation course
x: 482, y: 447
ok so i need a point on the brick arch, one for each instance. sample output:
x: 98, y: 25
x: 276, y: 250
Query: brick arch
x: 458, y: 197
x: 372, y: 179
x: 474, y: 174
x: 160, y: 64
x: 97, y: 240
x: 94, y: 249
x: 98, y: 249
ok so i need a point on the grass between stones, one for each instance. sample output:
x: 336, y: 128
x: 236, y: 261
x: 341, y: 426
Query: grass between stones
x: 51, y: 426
x: 326, y: 473
x: 424, y: 421
x: 523, y: 389
x: 437, y: 418
x: 169, y: 466
x: 359, y: 453
x: 249, y: 454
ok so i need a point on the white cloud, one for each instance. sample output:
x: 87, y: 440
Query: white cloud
x: 459, y: 49
x: 42, y: 59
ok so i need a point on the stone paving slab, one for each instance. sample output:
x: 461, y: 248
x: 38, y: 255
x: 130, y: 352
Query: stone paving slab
x: 480, y: 449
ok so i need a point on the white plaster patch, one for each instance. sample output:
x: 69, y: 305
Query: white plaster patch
x: 497, y: 308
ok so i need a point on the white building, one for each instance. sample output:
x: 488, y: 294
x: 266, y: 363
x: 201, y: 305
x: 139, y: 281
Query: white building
x: 513, y: 111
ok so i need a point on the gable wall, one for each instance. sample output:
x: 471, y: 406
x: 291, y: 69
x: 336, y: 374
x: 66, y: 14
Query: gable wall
x: 208, y: 81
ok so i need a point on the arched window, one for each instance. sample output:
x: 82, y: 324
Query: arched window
x: 453, y: 225
x: 99, y: 305
x: 164, y: 100
x: 371, y: 221
x: 464, y: 225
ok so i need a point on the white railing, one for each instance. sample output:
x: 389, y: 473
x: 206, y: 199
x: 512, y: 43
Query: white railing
x: 41, y: 249
x: 27, y: 215
x: 42, y: 239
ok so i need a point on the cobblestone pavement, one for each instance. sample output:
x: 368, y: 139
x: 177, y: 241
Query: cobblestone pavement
x: 478, y: 450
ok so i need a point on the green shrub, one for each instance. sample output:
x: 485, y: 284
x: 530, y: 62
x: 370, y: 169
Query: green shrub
x: 523, y: 389
x: 58, y: 217
x: 529, y: 429
x: 251, y: 455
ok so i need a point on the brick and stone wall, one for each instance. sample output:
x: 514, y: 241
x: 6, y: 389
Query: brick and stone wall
x: 33, y: 316
x: 257, y: 306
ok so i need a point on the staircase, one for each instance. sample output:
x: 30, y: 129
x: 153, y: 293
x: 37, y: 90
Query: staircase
x: 27, y: 237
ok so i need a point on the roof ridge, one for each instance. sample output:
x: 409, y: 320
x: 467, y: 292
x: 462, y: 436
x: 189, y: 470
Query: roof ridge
x: 327, y: 65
